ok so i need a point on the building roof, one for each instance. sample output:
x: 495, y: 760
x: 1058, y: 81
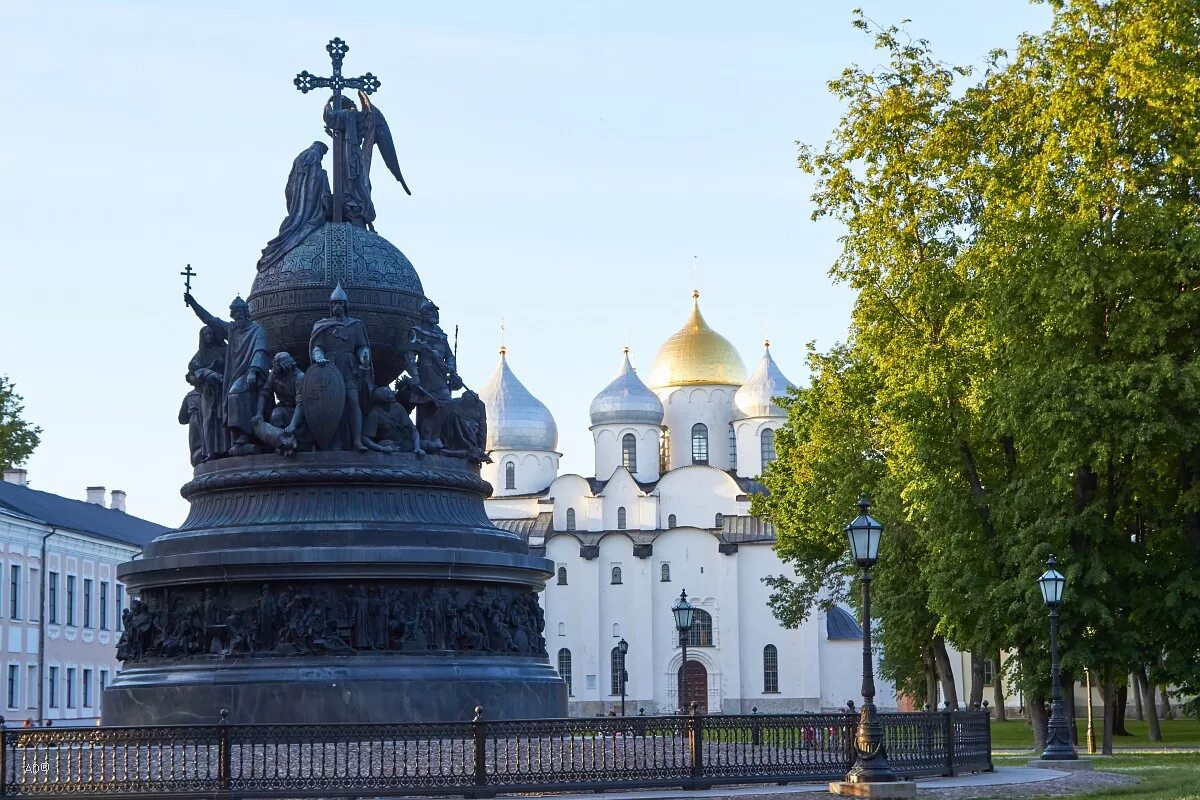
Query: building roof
x: 525, y: 527
x: 626, y: 400
x: 516, y: 420
x: 743, y: 529
x: 840, y: 625
x: 696, y: 355
x: 77, y: 515
x: 748, y: 485
x: 757, y: 396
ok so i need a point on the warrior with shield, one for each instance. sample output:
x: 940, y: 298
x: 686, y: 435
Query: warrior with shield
x: 340, y: 378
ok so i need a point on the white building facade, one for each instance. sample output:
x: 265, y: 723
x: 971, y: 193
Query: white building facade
x: 61, y: 602
x: 667, y: 510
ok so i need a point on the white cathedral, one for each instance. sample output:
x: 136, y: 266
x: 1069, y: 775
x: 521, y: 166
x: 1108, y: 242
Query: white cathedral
x: 667, y: 510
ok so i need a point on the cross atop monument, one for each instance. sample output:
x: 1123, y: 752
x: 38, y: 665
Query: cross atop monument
x: 356, y: 133
x: 337, y: 49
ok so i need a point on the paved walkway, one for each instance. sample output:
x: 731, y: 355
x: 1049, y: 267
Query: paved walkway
x: 1005, y: 782
x: 1151, y: 748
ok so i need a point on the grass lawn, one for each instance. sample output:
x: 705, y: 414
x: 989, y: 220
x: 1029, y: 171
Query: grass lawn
x: 1171, y: 776
x: 1016, y: 733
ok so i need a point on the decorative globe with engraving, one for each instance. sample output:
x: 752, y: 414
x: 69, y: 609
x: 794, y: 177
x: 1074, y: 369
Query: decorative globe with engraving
x: 384, y: 290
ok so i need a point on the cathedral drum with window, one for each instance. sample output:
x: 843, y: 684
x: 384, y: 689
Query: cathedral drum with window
x: 676, y: 460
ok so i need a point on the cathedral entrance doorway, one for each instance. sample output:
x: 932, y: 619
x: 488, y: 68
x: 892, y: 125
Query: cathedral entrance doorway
x: 693, y: 686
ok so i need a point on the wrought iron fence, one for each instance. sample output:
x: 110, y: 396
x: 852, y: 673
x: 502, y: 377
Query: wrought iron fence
x: 479, y: 758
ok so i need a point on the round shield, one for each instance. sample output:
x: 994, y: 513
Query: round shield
x: 324, y: 402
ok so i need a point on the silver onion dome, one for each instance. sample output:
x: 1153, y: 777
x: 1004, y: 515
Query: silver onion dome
x: 756, y: 397
x: 627, y: 400
x: 516, y: 420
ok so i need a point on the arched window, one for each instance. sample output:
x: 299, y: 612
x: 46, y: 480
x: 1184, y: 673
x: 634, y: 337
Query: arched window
x: 768, y: 446
x: 629, y: 452
x: 616, y: 575
x: 621, y: 518
x: 732, y: 448
x: 564, y: 667
x: 562, y: 576
x: 770, y: 669
x: 718, y: 520
x: 616, y: 630
x: 510, y: 475
x: 570, y: 519
x: 562, y: 629
x: 614, y: 671
x: 665, y: 571
x: 699, y: 443
x: 701, y: 632
x: 664, y: 450
x: 670, y: 520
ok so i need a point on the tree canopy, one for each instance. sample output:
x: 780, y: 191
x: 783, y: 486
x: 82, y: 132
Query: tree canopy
x: 1021, y: 372
x: 18, y: 439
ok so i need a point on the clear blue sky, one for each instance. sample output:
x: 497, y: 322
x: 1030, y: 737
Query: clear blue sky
x: 570, y: 162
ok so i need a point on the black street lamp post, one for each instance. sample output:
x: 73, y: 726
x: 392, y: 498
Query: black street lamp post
x: 623, y: 648
x: 1058, y: 731
x: 871, y: 764
x: 684, y: 614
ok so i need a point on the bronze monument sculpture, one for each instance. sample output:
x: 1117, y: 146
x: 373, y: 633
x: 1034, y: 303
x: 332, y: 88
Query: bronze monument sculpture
x: 337, y: 564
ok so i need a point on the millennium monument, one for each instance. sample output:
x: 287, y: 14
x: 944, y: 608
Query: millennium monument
x: 337, y: 564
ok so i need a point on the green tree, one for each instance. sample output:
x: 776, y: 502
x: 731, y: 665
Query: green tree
x: 18, y: 439
x: 1023, y: 250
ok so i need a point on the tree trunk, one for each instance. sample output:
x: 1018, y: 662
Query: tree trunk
x: 1167, y: 711
x: 998, y: 691
x: 1035, y: 707
x: 976, y: 700
x: 1155, y: 731
x: 1138, y: 711
x: 1068, y: 690
x: 1119, y: 710
x: 931, y: 681
x: 1109, y: 692
x: 945, y: 672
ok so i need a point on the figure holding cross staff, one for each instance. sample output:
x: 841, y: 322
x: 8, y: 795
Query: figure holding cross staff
x: 356, y: 132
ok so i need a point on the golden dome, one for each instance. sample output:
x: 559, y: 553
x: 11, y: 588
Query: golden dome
x: 696, y: 354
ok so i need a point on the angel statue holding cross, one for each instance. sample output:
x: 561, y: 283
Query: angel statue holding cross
x: 356, y: 131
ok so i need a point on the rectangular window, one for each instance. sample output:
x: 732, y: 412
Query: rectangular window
x: 87, y: 602
x: 989, y: 672
x: 14, y: 672
x: 35, y: 594
x: 52, y: 687
x: 14, y: 592
x: 120, y: 620
x: 70, y: 599
x: 70, y: 687
x: 103, y: 605
x: 87, y: 688
x: 103, y: 681
x: 31, y: 686
x: 52, y: 598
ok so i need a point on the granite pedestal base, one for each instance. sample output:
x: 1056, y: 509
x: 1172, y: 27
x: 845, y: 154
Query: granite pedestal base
x: 366, y: 690
x: 334, y: 587
x: 887, y: 789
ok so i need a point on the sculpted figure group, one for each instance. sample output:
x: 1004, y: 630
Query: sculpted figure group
x: 244, y: 400
x: 345, y: 619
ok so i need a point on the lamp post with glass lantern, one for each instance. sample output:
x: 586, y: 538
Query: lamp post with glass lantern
x: 871, y: 764
x: 1058, y: 732
x: 684, y: 614
x: 623, y: 648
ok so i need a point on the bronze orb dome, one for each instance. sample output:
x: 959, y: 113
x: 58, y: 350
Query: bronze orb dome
x: 384, y: 289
